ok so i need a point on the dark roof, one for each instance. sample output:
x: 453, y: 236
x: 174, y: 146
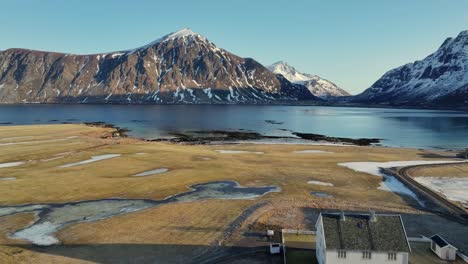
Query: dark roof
x: 439, y: 241
x: 357, y: 232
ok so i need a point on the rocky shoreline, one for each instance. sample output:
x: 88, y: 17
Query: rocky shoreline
x: 210, y: 136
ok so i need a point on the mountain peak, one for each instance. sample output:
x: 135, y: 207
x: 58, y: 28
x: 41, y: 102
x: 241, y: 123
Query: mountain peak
x: 316, y: 85
x: 281, y: 65
x: 185, y: 32
x: 288, y: 71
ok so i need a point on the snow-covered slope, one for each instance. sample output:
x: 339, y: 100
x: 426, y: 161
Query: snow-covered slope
x: 181, y: 67
x: 316, y: 85
x: 427, y: 81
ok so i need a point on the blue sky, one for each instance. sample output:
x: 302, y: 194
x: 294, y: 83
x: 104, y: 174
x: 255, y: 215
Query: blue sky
x: 351, y: 43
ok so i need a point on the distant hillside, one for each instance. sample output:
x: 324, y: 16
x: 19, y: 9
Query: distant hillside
x: 182, y: 67
x: 441, y: 79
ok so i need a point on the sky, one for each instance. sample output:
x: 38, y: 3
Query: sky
x: 352, y: 43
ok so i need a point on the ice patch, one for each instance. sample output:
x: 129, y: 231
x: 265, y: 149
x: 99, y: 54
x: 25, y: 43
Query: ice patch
x: 310, y: 151
x: 320, y: 183
x: 151, y: 172
x: 455, y: 189
x: 11, y: 164
x: 92, y: 159
x: 39, y: 234
x: 227, y: 151
x: 50, y: 218
x: 391, y: 183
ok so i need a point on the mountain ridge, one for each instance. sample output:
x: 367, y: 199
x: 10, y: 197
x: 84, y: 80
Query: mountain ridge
x: 180, y: 67
x: 424, y: 82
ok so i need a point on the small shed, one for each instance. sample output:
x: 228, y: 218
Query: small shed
x: 442, y: 248
x: 274, y: 238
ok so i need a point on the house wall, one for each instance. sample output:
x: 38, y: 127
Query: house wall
x: 356, y: 257
x: 320, y: 243
x: 448, y: 253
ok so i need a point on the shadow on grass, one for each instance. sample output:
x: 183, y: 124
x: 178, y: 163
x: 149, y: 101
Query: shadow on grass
x: 447, y: 155
x: 153, y: 253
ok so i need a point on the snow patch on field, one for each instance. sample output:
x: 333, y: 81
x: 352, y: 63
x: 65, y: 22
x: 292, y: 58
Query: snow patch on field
x: 8, y: 179
x: 11, y: 164
x: 227, y: 151
x: 310, y: 151
x: 152, y: 172
x: 320, y: 183
x: 374, y: 167
x: 92, y: 159
x: 455, y: 189
x: 391, y: 183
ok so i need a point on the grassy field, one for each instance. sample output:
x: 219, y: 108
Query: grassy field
x: 182, y: 229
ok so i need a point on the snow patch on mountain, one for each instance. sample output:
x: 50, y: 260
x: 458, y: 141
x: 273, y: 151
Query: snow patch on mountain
x: 424, y: 81
x: 314, y: 83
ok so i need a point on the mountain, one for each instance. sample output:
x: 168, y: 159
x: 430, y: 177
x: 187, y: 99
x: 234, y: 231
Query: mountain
x: 181, y: 67
x: 440, y: 79
x: 316, y: 85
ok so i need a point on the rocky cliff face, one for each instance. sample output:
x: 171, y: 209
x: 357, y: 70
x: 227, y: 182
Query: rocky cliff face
x: 182, y: 67
x: 431, y: 81
x: 317, y: 86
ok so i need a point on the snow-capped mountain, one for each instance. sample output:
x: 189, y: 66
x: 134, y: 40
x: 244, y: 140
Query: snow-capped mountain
x: 181, y: 67
x: 316, y: 85
x: 439, y: 79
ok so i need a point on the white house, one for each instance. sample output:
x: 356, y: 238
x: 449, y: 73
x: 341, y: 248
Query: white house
x: 361, y: 238
x: 442, y: 248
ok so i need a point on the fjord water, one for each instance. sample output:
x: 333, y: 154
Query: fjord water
x: 398, y: 127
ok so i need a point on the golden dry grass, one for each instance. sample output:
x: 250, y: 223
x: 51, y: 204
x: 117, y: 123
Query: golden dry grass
x: 40, y: 180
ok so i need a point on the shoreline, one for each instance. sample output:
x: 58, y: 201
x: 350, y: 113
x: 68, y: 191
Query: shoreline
x: 240, y: 137
x: 298, y: 103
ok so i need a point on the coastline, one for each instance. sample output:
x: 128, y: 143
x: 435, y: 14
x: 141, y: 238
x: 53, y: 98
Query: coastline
x: 273, y: 103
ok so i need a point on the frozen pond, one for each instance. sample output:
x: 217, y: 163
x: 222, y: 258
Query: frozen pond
x: 151, y: 172
x: 455, y: 189
x: 92, y: 159
x: 53, y: 217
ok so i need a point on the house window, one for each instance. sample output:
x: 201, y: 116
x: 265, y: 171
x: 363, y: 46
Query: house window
x: 433, y: 245
x: 341, y: 254
x: 366, y: 255
x: 391, y: 256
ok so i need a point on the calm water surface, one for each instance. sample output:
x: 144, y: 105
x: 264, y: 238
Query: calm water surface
x: 399, y: 127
